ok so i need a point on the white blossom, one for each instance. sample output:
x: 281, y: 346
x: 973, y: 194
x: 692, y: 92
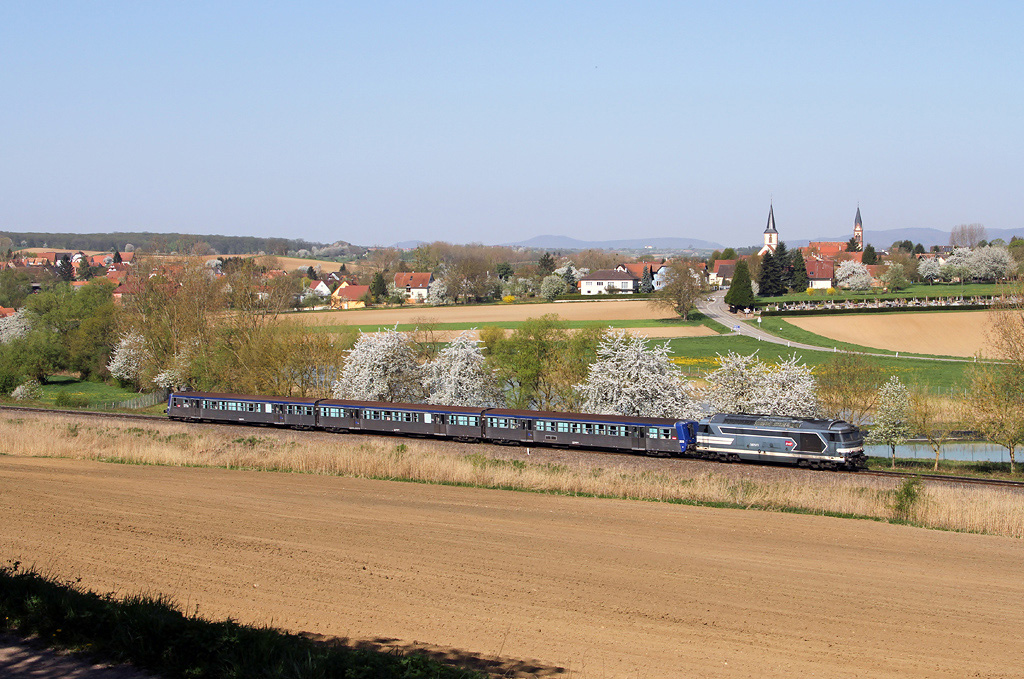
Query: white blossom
x: 892, y: 416
x: 29, y: 391
x: 552, y: 286
x: 381, y: 367
x: 437, y: 293
x: 930, y: 269
x: 129, y: 358
x: 958, y: 264
x: 744, y: 384
x: 14, y: 327
x: 518, y: 287
x: 991, y: 263
x: 569, y: 269
x: 178, y: 373
x: 457, y: 377
x: 634, y: 379
x: 853, y: 275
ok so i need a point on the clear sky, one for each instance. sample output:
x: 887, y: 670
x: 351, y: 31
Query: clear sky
x: 377, y: 122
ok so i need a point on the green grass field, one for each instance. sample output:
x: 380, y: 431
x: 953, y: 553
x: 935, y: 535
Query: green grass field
x: 96, y: 392
x: 696, y: 355
x: 918, y: 291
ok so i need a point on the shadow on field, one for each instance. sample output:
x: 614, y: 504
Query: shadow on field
x: 22, y: 658
x: 492, y: 665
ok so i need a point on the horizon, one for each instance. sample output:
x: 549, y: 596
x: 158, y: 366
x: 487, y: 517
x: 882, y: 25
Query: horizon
x: 497, y: 124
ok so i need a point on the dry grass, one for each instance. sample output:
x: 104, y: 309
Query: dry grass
x: 982, y: 510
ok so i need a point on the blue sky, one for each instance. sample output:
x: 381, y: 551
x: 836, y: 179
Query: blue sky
x: 377, y: 122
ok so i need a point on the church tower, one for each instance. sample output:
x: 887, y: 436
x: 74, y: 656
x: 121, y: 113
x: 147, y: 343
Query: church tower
x: 858, y: 230
x: 771, y: 236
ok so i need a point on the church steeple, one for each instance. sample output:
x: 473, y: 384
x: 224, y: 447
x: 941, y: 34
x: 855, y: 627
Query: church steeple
x: 858, y: 229
x: 771, y: 236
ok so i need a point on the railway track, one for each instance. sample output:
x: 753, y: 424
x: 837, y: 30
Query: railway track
x: 945, y: 478
x: 937, y: 478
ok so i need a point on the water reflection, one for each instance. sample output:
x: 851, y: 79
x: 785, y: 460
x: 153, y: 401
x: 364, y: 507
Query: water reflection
x: 970, y: 451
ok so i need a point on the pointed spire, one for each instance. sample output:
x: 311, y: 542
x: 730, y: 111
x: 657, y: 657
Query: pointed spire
x: 856, y: 220
x: 771, y: 220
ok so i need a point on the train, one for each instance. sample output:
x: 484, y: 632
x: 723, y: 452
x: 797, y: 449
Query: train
x: 805, y: 442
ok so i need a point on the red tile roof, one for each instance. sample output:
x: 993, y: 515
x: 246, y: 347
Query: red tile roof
x: 352, y: 292
x: 412, y: 280
x: 637, y: 268
x: 819, y: 270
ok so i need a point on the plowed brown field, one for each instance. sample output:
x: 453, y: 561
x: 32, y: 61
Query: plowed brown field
x: 611, y: 310
x: 951, y: 333
x: 602, y: 588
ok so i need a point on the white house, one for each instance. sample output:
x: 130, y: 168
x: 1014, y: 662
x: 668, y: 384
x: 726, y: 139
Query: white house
x: 320, y: 290
x: 415, y: 285
x: 609, y: 280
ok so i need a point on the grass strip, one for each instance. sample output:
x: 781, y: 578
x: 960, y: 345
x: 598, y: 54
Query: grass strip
x: 150, y: 633
x: 701, y: 353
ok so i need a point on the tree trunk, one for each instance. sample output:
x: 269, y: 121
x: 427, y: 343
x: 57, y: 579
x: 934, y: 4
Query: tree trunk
x: 893, y: 456
x: 937, y: 450
x: 1013, y: 462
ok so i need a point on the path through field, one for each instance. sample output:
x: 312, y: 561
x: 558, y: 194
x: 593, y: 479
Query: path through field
x: 600, y: 588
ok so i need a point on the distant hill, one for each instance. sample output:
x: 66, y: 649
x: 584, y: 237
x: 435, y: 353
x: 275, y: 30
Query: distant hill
x: 409, y: 244
x: 154, y: 242
x: 567, y: 243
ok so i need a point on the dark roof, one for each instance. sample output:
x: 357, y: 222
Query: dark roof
x: 856, y: 220
x: 725, y: 271
x: 771, y: 220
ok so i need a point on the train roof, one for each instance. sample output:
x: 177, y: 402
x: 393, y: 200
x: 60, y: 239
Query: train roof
x: 581, y: 417
x: 426, y: 407
x: 244, y: 397
x: 781, y: 421
x: 392, y: 405
x: 383, y: 405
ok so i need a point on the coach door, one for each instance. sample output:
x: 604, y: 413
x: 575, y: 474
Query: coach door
x: 639, y: 440
x: 438, y: 423
x: 277, y: 411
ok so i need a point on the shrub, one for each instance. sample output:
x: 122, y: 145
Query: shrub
x: 29, y: 391
x: 66, y: 400
x: 905, y: 500
x: 508, y: 299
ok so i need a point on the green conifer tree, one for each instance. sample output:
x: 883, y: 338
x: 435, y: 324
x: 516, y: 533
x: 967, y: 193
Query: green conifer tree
x: 769, y: 282
x: 784, y: 260
x: 869, y: 256
x: 647, y: 281
x: 800, y: 281
x: 740, y: 294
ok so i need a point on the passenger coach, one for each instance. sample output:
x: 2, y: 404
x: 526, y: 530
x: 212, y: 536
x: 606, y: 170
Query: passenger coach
x: 648, y: 435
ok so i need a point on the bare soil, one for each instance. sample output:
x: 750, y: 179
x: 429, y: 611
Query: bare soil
x: 609, y: 310
x: 543, y: 585
x: 954, y: 333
